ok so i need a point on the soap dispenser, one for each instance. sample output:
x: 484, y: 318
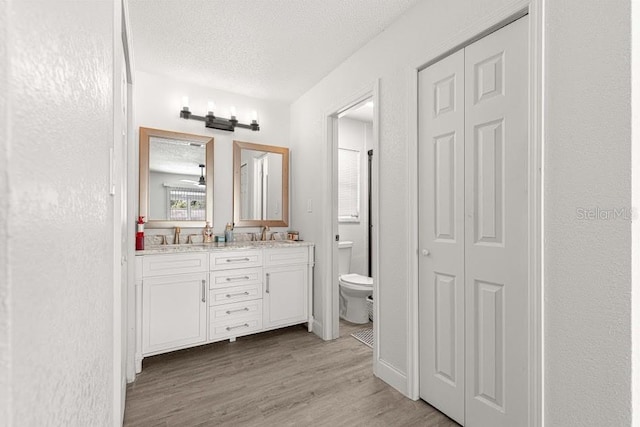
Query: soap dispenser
x: 228, y: 233
x: 208, y: 233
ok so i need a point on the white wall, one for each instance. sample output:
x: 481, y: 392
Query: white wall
x: 5, y: 306
x: 357, y: 135
x: 158, y: 102
x: 387, y: 57
x: 587, y: 163
x: 58, y: 215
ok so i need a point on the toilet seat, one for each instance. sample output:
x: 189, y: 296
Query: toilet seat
x: 356, y: 281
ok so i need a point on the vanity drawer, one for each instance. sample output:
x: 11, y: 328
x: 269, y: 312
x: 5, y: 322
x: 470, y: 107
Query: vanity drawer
x: 239, y: 310
x: 235, y: 294
x: 226, y: 278
x: 164, y: 265
x: 286, y: 256
x: 235, y: 327
x: 235, y: 259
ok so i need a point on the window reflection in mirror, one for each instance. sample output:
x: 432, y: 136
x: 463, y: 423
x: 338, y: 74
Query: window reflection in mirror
x: 261, y: 190
x: 176, y: 190
x: 176, y: 178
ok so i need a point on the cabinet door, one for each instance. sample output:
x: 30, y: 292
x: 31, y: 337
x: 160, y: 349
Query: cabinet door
x: 285, y: 295
x: 174, y: 311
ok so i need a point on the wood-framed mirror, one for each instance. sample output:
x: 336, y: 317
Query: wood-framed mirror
x: 260, y: 185
x: 176, y: 179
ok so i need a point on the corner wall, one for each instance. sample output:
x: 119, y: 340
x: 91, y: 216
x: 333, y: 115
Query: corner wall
x: 400, y: 48
x: 587, y: 275
x: 59, y: 220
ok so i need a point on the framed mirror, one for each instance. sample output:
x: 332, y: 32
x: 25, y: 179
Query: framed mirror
x: 260, y: 185
x: 176, y: 179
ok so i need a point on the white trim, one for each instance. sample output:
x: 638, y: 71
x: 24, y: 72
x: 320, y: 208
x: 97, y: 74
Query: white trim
x: 316, y: 328
x: 536, y: 209
x: 413, y: 339
x: 375, y: 230
x: 535, y: 9
x: 330, y: 291
x: 392, y: 376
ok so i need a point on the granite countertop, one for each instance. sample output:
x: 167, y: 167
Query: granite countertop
x: 215, y: 247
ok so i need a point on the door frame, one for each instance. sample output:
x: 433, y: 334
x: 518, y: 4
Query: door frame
x: 122, y: 57
x: 330, y: 291
x: 477, y: 30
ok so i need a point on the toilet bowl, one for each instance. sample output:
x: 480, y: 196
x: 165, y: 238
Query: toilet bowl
x: 354, y: 290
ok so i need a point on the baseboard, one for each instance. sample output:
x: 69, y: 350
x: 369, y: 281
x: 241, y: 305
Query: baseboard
x: 391, y: 376
x: 317, y: 328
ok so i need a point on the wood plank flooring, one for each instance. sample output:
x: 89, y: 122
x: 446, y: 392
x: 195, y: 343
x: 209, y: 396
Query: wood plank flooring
x: 287, y: 377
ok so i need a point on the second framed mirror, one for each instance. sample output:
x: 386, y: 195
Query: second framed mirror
x: 260, y: 185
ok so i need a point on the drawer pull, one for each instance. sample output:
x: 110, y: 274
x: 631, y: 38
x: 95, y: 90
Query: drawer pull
x: 238, y: 294
x: 231, y: 279
x: 204, y: 295
x: 230, y: 328
x: 238, y: 259
x: 268, y: 277
x: 238, y: 310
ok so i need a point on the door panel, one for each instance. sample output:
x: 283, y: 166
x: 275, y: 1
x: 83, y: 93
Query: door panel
x: 441, y: 204
x: 496, y: 201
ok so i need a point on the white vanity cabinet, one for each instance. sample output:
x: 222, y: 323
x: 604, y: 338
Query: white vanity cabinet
x: 212, y: 294
x: 285, y: 287
x: 174, y: 302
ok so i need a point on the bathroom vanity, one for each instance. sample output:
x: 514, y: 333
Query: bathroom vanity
x: 189, y: 295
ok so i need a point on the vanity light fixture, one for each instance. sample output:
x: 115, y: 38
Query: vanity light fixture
x: 221, y: 123
x: 202, y: 181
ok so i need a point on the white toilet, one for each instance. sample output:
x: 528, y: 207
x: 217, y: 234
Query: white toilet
x: 354, y: 288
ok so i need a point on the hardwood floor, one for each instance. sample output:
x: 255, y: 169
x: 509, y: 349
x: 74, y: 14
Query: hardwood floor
x: 287, y: 377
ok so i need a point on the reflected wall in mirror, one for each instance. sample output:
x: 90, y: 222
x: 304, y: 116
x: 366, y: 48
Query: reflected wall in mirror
x: 176, y: 178
x: 260, y: 185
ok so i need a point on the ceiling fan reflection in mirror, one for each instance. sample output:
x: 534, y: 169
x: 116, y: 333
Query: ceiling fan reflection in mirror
x: 200, y: 182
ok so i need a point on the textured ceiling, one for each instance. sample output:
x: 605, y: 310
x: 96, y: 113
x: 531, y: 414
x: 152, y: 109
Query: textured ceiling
x: 271, y: 49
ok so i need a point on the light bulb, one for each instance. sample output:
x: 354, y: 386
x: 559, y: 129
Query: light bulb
x: 232, y: 110
x: 254, y: 116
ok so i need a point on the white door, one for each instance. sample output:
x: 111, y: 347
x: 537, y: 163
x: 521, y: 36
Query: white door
x: 496, y: 200
x: 441, y: 238
x: 488, y: 251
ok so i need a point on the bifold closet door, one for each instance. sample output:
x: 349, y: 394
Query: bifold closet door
x: 441, y: 235
x: 473, y: 230
x: 496, y: 227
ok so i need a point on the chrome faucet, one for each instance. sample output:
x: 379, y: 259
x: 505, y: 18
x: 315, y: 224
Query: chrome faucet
x: 176, y: 236
x: 265, y: 230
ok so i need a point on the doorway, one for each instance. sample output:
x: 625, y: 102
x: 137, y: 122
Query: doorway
x: 357, y: 219
x: 354, y: 168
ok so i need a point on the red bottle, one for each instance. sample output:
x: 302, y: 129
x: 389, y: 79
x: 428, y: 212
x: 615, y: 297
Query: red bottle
x: 140, y: 234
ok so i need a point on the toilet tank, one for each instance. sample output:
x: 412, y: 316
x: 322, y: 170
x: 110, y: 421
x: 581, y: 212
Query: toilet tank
x: 344, y: 256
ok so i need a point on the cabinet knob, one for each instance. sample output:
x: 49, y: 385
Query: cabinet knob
x: 425, y: 252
